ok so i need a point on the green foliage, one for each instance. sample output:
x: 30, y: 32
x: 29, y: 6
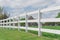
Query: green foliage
x: 58, y: 15
x: 22, y: 24
x: 1, y: 9
x: 22, y: 19
x: 3, y: 15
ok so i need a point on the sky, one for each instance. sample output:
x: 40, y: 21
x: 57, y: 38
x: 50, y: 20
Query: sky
x: 16, y: 7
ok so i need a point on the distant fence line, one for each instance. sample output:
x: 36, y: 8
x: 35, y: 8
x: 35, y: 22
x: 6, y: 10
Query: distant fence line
x: 39, y: 20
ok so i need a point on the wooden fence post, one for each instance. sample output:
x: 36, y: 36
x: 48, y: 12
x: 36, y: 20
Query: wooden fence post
x: 18, y: 24
x: 39, y: 23
x: 2, y: 24
x: 26, y: 23
x: 13, y: 23
x: 9, y: 23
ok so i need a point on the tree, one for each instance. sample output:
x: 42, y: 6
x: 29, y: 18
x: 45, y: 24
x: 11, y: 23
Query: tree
x: 30, y: 18
x: 58, y: 16
x: 54, y: 23
x: 6, y: 15
x: 3, y: 14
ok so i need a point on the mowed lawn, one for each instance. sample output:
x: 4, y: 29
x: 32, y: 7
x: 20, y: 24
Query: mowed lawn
x: 52, y: 27
x: 13, y: 34
x: 48, y: 27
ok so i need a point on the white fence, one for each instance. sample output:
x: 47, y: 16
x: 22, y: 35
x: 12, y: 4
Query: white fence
x: 39, y: 20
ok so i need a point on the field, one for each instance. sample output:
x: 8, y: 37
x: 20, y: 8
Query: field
x: 52, y: 27
x: 14, y: 34
x: 49, y: 27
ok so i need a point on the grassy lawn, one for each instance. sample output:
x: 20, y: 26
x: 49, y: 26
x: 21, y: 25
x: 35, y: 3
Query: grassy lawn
x: 49, y: 27
x: 49, y: 35
x: 8, y: 34
x: 52, y: 27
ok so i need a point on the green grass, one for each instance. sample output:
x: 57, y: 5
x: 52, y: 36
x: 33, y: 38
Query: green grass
x: 49, y: 35
x: 14, y: 34
x: 49, y: 27
x: 52, y: 27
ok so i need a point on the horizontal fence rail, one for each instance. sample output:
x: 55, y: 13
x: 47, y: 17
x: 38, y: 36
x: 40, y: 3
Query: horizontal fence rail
x: 36, y: 20
x: 12, y: 20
